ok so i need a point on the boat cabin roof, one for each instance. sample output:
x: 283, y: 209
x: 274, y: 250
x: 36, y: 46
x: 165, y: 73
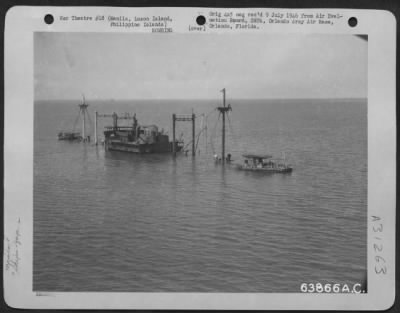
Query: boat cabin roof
x: 257, y: 156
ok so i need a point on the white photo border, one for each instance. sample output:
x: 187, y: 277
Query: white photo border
x: 22, y: 22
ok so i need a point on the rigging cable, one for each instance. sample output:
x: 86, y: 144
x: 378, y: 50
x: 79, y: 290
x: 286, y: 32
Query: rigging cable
x: 213, y: 134
x: 89, y: 120
x: 76, y: 120
x: 206, y: 129
x: 198, y: 135
x: 231, y: 130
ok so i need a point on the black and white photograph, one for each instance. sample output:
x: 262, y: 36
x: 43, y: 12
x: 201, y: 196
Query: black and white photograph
x: 199, y: 163
x: 195, y: 167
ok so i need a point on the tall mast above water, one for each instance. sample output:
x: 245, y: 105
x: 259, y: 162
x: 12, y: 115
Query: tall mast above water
x: 223, y: 110
x: 83, y: 109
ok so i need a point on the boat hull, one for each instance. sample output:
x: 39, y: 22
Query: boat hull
x: 266, y: 170
x: 69, y: 137
x: 140, y: 148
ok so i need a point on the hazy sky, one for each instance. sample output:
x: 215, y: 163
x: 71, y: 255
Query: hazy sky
x: 175, y: 66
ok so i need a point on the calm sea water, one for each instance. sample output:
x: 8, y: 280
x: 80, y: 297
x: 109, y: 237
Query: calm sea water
x: 111, y: 221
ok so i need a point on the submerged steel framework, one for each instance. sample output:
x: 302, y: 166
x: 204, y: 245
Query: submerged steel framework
x: 114, y: 116
x: 184, y: 118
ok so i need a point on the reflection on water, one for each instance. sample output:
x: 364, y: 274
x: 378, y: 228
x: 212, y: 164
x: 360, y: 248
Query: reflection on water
x: 112, y: 221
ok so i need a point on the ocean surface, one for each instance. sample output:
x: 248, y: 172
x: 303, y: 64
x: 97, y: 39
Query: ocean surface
x: 114, y: 221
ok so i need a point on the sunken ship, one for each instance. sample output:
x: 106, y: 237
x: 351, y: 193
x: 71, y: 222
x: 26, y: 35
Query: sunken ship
x: 138, y: 138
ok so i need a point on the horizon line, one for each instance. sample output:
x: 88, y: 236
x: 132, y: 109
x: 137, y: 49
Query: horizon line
x: 200, y: 99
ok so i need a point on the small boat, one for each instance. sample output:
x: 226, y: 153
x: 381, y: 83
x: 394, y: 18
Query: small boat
x: 264, y: 163
x: 69, y: 136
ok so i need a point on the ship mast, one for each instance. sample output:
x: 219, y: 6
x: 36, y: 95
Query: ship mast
x: 223, y: 110
x: 83, y: 109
